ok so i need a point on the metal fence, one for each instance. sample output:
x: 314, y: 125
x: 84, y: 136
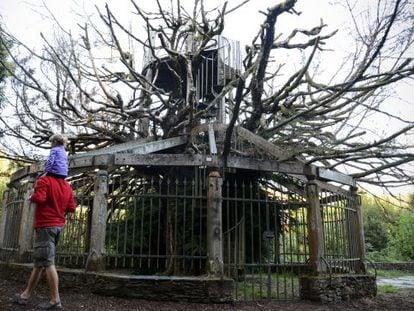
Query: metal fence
x: 74, y: 242
x: 340, y: 230
x: 265, y: 239
x: 12, y: 212
x: 156, y: 224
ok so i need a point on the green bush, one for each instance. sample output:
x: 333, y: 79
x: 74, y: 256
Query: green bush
x: 403, y: 236
x: 388, y: 229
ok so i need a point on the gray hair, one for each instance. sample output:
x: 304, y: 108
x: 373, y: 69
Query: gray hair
x: 58, y: 138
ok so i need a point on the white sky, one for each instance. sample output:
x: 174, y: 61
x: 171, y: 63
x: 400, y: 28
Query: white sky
x: 23, y: 19
x: 26, y: 19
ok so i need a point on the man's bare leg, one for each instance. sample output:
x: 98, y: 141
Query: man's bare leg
x: 53, y: 282
x: 33, y: 280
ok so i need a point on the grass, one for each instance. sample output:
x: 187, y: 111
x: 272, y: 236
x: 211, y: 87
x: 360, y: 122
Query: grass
x: 389, y: 273
x: 387, y: 289
x: 283, y: 286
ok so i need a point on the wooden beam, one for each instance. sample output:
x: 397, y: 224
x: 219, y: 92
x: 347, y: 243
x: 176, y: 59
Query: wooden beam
x: 260, y: 142
x: 325, y: 174
x: 315, y: 229
x: 265, y: 165
x: 324, y: 185
x: 165, y: 159
x: 207, y: 160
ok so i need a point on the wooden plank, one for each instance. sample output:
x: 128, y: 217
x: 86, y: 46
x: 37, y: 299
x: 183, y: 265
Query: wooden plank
x: 80, y: 161
x: 116, y: 148
x: 21, y: 173
x: 207, y: 160
x: 315, y: 229
x: 323, y: 185
x: 165, y: 159
x: 265, y: 165
x: 214, y: 226
x: 212, y: 139
x: 159, y: 145
x: 325, y: 174
x: 103, y: 160
x: 260, y: 142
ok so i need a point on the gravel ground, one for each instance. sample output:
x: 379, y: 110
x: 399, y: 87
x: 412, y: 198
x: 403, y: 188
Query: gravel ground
x: 71, y: 300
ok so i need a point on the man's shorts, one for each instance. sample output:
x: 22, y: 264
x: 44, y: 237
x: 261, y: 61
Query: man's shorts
x: 44, y: 246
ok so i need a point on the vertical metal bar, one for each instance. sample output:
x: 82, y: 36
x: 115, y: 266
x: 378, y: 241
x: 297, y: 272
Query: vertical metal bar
x: 110, y: 243
x: 259, y: 238
x: 193, y: 206
x: 133, y: 199
x: 118, y: 211
x: 227, y: 237
x: 159, y: 223
x: 169, y: 253
x: 199, y: 186
x: 276, y: 246
x: 291, y: 242
x: 151, y: 197
x: 268, y: 262
x: 142, y: 224
x: 184, y: 231
x: 126, y: 216
x: 343, y: 221
x: 337, y: 212
x: 234, y: 230
x: 284, y: 242
x: 176, y: 245
x: 251, y: 268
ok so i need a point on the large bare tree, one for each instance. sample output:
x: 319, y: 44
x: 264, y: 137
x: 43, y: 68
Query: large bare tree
x: 93, y: 88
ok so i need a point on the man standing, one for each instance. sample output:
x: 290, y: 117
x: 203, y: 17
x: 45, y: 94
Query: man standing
x: 54, y: 198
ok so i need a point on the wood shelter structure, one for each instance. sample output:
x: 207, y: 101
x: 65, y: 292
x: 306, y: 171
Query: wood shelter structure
x: 151, y: 207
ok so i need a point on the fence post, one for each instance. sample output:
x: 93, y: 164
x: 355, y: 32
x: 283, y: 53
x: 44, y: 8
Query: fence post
x: 96, y: 260
x: 3, y: 217
x: 214, y: 225
x: 356, y: 199
x: 26, y: 222
x: 315, y: 228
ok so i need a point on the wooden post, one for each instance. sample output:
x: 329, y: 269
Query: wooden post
x: 26, y: 223
x: 4, y: 211
x: 96, y: 260
x: 315, y: 228
x: 214, y: 225
x: 356, y: 198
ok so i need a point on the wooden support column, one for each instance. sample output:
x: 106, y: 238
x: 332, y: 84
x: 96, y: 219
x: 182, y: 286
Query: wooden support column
x: 26, y: 223
x: 4, y: 211
x: 356, y: 198
x: 214, y: 225
x: 96, y: 260
x: 315, y: 228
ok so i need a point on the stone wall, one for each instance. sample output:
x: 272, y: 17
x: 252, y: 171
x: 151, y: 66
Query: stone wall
x: 400, y: 266
x: 335, y: 288
x: 194, y: 289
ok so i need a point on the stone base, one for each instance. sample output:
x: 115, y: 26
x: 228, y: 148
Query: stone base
x: 337, y: 288
x: 168, y: 288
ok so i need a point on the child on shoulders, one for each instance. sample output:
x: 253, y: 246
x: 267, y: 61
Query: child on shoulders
x: 57, y: 162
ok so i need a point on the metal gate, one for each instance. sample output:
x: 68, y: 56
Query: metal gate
x: 265, y: 239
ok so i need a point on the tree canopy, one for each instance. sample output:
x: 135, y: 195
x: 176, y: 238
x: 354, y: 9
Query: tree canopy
x: 6, y: 68
x: 93, y: 88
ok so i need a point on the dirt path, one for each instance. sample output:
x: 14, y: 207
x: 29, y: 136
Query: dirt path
x: 71, y: 300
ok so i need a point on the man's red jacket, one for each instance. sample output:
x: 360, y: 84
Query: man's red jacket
x: 54, y: 198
